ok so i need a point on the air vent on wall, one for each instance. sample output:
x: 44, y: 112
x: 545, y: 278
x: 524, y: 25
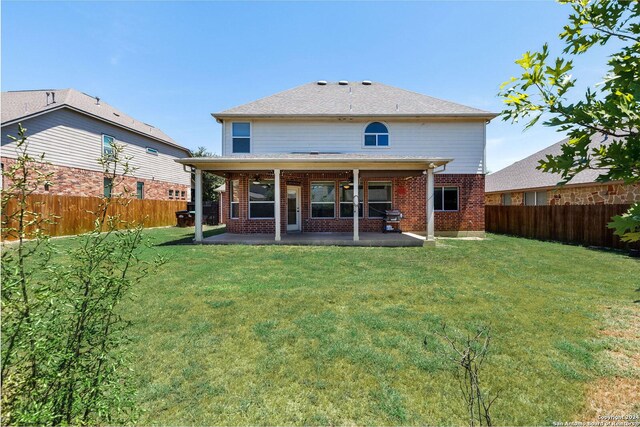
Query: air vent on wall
x: 322, y: 82
x: 343, y: 82
x: 366, y: 82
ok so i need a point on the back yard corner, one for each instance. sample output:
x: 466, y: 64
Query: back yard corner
x: 325, y: 335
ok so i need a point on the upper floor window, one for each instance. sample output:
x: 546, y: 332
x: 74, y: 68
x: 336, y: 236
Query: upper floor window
x: 107, y: 145
x: 241, y: 137
x: 376, y: 134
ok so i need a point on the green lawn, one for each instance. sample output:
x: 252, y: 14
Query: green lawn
x: 323, y: 335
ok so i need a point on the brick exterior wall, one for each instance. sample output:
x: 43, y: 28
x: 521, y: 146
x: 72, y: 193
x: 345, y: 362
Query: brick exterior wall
x: 86, y: 183
x: 597, y: 194
x: 408, y: 195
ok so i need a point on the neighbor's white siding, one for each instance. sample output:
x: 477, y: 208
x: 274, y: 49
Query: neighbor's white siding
x: 72, y: 139
x: 462, y: 141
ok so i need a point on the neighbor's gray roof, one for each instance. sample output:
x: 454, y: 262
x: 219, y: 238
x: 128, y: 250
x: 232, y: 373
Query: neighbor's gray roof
x: 21, y: 105
x: 523, y: 174
x: 353, y: 99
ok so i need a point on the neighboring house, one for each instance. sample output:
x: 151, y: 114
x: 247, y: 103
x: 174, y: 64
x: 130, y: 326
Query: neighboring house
x: 333, y: 157
x: 523, y: 184
x: 74, y: 129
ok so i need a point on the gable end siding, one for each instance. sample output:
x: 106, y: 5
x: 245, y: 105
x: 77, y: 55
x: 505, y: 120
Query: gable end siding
x: 74, y: 140
x: 462, y: 141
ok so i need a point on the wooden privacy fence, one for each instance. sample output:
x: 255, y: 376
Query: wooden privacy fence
x: 74, y: 215
x: 579, y: 224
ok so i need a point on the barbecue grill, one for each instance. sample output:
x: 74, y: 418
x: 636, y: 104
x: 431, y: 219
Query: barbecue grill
x: 391, y: 221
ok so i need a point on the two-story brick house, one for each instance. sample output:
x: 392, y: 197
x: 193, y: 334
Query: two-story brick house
x: 333, y: 157
x: 74, y: 129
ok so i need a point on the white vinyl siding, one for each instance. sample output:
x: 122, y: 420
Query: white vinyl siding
x: 74, y: 140
x: 462, y: 141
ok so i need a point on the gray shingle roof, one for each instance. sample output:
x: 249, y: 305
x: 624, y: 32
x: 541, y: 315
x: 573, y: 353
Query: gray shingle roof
x: 353, y: 99
x: 523, y: 174
x: 18, y: 105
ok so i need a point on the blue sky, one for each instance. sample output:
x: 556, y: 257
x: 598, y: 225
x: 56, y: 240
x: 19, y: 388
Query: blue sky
x: 173, y: 63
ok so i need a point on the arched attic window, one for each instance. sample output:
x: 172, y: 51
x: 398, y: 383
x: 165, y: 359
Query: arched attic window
x: 376, y: 134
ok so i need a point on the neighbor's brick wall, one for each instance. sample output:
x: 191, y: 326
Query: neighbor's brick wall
x: 408, y: 196
x: 493, y: 199
x: 86, y: 183
x: 601, y: 194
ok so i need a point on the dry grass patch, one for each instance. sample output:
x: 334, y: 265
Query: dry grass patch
x: 618, y: 395
x: 613, y: 396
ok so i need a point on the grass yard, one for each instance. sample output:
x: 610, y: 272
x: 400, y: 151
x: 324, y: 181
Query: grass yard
x: 238, y: 335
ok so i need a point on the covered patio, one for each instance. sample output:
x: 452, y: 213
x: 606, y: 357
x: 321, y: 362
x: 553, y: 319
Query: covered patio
x: 318, y: 239
x: 253, y: 221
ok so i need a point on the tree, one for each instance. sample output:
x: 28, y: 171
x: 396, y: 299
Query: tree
x: 603, y: 126
x: 209, y: 181
x: 63, y: 350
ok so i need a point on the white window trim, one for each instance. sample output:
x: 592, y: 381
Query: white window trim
x: 368, y: 201
x: 457, y: 198
x: 376, y: 147
x: 250, y: 202
x: 231, y: 202
x: 102, y: 140
x: 250, y: 136
x: 311, y: 202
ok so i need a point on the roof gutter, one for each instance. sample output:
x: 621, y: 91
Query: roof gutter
x: 220, y: 117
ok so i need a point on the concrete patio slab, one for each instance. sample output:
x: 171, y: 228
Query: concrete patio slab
x: 316, y: 239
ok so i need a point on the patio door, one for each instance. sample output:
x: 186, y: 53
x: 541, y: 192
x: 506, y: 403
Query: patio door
x: 293, y: 208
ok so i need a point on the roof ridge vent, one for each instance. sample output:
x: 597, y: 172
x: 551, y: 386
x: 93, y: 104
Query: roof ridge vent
x: 322, y: 82
x: 366, y: 82
x: 343, y: 82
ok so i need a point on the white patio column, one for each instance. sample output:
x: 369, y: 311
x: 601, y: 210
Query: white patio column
x: 198, y: 234
x: 356, y: 205
x: 276, y: 174
x: 430, y: 215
